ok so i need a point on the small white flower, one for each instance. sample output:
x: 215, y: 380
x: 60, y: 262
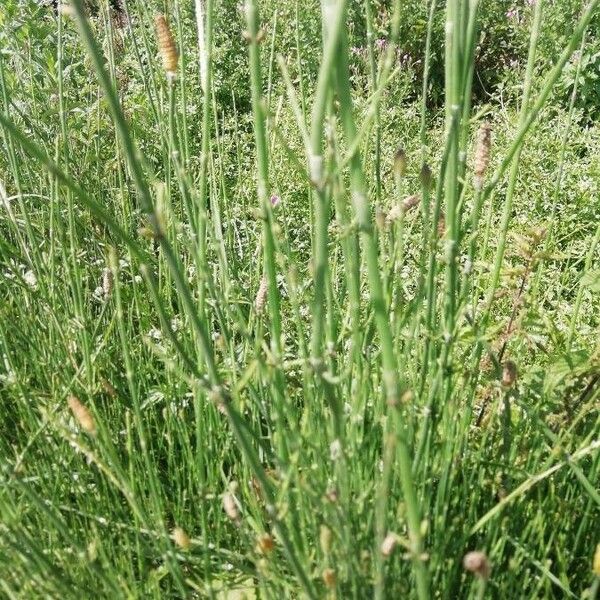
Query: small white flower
x: 9, y: 378
x: 335, y: 450
x: 30, y: 279
x: 155, y: 334
x: 467, y: 267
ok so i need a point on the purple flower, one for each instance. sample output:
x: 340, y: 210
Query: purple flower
x: 275, y: 200
x: 511, y: 13
x: 381, y: 43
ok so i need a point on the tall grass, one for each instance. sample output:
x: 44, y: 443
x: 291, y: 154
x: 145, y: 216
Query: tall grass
x: 210, y: 385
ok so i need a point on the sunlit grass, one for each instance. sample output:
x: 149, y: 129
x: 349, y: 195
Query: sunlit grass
x: 332, y: 343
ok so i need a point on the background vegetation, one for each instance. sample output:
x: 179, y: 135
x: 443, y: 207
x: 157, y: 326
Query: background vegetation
x: 230, y: 367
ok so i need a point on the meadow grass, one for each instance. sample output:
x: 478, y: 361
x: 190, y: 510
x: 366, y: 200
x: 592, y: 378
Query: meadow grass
x: 316, y: 337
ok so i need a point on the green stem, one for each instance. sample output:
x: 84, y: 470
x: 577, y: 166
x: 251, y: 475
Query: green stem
x: 425, y: 92
x: 391, y: 381
x: 373, y: 75
x: 260, y: 135
x: 334, y: 13
x: 204, y: 24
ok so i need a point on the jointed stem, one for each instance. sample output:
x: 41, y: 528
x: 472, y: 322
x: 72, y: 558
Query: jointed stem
x: 391, y: 379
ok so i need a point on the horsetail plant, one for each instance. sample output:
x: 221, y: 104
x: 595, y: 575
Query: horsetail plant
x: 248, y: 348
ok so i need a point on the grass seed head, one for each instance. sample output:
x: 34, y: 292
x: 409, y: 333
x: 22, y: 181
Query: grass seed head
x: 166, y: 45
x: 66, y: 8
x: 596, y: 562
x: 509, y: 373
x: 265, y: 543
x: 329, y: 577
x: 482, y: 154
x: 477, y: 562
x: 380, y: 218
x: 107, y: 282
x: 261, y: 295
x: 230, y: 507
x: 426, y: 177
x: 410, y: 202
x: 394, y: 214
x: 332, y: 495
x: 180, y: 537
x: 441, y: 228
x: 388, y: 544
x: 325, y: 539
x: 400, y: 162
x: 92, y: 551
x: 108, y: 388
x: 407, y: 397
x: 82, y: 415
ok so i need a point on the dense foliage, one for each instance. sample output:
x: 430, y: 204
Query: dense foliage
x: 279, y: 323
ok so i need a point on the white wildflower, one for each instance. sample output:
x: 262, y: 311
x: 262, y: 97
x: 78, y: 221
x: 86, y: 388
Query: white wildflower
x: 155, y: 334
x: 30, y: 279
x: 335, y: 450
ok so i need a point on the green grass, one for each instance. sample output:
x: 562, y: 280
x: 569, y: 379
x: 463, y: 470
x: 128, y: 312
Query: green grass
x: 289, y: 386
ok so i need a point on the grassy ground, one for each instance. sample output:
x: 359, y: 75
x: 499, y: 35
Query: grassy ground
x: 233, y: 355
